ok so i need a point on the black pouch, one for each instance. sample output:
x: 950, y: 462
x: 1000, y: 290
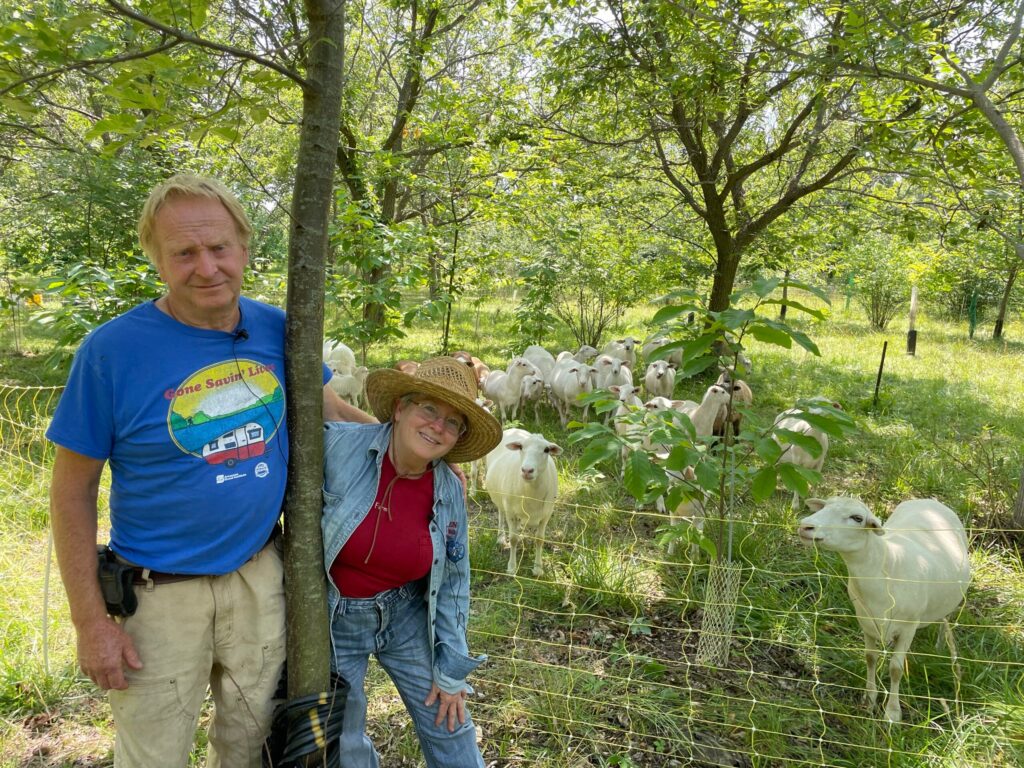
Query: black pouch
x: 116, y: 583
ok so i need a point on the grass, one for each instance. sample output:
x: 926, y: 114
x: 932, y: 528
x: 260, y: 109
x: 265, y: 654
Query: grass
x: 593, y: 663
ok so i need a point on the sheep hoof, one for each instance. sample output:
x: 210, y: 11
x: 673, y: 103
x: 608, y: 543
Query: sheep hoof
x: 538, y: 571
x: 893, y: 716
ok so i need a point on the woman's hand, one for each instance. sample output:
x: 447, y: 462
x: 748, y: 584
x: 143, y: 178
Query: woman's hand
x: 452, y: 707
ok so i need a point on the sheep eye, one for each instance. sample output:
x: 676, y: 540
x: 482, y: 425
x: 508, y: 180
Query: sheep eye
x: 857, y: 518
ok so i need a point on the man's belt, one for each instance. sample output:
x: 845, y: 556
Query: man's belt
x: 142, y: 575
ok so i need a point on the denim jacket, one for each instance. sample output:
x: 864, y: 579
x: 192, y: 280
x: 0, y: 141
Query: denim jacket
x: 353, y: 455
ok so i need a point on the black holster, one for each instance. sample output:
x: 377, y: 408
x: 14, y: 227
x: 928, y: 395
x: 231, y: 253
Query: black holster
x: 116, y: 583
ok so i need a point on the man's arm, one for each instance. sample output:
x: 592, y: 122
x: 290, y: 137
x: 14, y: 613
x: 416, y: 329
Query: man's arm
x: 336, y: 409
x: 103, y: 647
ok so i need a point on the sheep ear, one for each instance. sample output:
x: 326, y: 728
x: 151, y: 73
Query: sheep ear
x: 514, y: 446
x: 815, y: 505
x: 553, y: 450
x: 874, y: 524
x: 615, y: 388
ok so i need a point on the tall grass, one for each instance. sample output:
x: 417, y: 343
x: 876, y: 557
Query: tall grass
x: 593, y: 662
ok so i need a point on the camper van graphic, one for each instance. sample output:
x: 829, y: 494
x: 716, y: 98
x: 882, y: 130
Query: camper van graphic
x: 226, y: 413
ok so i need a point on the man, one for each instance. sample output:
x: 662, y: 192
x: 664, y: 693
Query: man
x: 184, y: 397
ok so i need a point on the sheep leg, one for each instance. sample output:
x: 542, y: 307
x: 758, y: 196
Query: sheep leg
x: 795, y: 505
x: 872, y: 650
x: 541, y: 535
x: 513, y: 550
x: 502, y: 527
x: 896, y: 664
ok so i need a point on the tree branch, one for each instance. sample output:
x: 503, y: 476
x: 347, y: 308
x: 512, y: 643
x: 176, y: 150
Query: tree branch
x: 185, y: 37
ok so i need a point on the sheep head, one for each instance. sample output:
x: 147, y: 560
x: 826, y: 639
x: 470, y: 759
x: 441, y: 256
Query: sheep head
x: 838, y: 524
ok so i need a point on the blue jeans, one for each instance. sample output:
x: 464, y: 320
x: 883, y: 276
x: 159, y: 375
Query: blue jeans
x: 393, y: 627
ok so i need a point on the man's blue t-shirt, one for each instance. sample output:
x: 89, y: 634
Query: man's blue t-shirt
x: 193, y: 424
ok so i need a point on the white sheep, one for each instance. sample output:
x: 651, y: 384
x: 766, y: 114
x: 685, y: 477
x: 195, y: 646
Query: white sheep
x: 703, y: 414
x: 660, y: 379
x: 741, y: 396
x: 542, y: 360
x: 622, y: 349
x: 522, y: 481
x: 910, y: 572
x: 624, y: 427
x: 688, y: 510
x: 349, y: 386
x: 584, y: 354
x: 674, y: 358
x: 569, y: 383
x: 612, y: 372
x: 338, y: 357
x: 504, y: 387
x: 533, y: 389
x: 793, y: 421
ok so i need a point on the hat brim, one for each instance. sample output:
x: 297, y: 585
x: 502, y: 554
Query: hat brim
x: 483, y: 432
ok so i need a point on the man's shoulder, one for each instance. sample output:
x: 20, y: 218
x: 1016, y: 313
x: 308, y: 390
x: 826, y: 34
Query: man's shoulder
x: 255, y: 310
x: 139, y: 319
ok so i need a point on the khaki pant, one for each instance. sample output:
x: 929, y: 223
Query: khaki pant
x: 225, y: 633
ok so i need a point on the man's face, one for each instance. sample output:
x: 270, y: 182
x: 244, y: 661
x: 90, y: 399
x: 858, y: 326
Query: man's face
x: 200, y: 257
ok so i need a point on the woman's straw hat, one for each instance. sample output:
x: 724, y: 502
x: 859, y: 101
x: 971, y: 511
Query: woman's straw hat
x: 448, y: 381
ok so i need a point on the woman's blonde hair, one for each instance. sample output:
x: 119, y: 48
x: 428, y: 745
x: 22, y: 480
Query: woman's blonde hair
x: 184, y: 185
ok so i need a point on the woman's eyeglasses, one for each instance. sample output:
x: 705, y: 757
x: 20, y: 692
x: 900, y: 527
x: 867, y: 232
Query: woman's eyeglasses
x: 451, y: 424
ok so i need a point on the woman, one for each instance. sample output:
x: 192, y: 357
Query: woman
x: 395, y: 550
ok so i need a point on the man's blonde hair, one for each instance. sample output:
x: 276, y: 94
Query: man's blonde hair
x: 184, y: 185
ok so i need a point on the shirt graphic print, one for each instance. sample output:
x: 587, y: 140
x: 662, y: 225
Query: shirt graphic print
x: 226, y: 413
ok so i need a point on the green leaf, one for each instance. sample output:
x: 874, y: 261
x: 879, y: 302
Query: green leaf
x: 797, y: 478
x: 765, y: 286
x: 768, y: 335
x: 804, y: 341
x: 767, y: 450
x: 827, y: 423
x: 598, y: 451
x: 682, y: 456
x: 667, y: 314
x: 123, y: 123
x: 762, y: 485
x: 697, y: 365
x: 638, y: 473
x: 707, y: 475
x: 815, y: 313
x: 799, y: 439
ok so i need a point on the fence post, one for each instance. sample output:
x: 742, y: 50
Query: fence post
x: 881, y: 365
x: 912, y: 333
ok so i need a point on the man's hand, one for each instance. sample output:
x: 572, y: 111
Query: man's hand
x: 457, y: 471
x: 104, y: 649
x: 452, y: 707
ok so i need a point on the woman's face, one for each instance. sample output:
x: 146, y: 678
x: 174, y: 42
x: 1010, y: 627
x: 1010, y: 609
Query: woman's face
x: 424, y: 430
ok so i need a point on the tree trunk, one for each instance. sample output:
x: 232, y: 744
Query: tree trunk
x: 373, y: 311
x: 725, y: 277
x: 308, y: 628
x: 997, y: 332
